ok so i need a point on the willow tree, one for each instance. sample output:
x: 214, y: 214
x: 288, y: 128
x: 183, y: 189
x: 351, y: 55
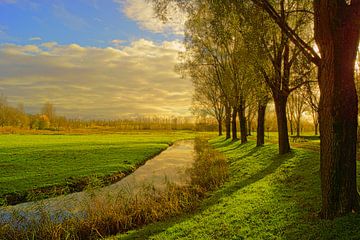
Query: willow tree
x: 207, y: 96
x: 212, y: 40
x: 277, y: 58
x: 205, y: 59
x: 337, y: 32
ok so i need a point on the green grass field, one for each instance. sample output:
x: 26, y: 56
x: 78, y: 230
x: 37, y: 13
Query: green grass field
x: 30, y: 162
x: 267, y: 197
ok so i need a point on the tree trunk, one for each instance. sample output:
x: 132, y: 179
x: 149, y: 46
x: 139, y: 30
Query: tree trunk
x: 220, y: 127
x: 298, y: 123
x: 249, y: 122
x: 260, y: 135
x: 227, y: 121
x: 316, y: 126
x: 280, y: 108
x: 243, y: 127
x: 249, y: 126
x: 233, y: 125
x: 291, y: 127
x: 337, y: 36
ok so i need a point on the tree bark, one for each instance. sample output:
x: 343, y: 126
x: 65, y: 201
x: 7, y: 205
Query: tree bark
x: 228, y: 122
x: 280, y: 108
x: 233, y: 125
x: 337, y: 37
x: 260, y: 135
x: 316, y: 126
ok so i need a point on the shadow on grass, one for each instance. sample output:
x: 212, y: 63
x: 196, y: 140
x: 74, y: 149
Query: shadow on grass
x: 276, y: 162
x: 227, y: 190
x: 222, y: 143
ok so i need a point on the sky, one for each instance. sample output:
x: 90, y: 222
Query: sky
x: 100, y: 59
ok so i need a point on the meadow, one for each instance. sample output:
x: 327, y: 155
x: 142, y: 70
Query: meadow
x: 267, y: 196
x: 39, y: 166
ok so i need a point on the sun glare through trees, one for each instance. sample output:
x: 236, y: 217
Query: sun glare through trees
x: 172, y: 119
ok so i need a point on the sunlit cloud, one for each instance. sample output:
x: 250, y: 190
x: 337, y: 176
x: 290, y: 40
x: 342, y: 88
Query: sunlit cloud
x: 118, y: 42
x: 92, y: 82
x: 142, y: 12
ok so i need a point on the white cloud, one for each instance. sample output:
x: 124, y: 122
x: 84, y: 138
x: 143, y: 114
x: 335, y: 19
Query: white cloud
x: 35, y: 39
x: 117, y: 42
x: 143, y: 13
x: 96, y: 82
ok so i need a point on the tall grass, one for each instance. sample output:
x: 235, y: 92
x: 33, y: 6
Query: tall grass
x: 102, y: 215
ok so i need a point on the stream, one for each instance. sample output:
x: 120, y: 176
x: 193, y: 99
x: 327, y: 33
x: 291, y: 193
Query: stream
x: 167, y: 167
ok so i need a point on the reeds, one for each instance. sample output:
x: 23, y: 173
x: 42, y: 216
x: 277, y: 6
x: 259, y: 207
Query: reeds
x: 103, y: 215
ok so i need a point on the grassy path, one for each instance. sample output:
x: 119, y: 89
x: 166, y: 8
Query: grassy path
x: 267, y: 197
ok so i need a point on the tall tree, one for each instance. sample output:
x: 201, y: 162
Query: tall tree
x: 312, y: 100
x: 297, y: 106
x: 280, y: 58
x: 337, y: 32
x: 207, y: 96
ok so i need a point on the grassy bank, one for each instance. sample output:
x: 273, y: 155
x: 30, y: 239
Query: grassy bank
x: 109, y: 215
x: 267, y: 197
x: 37, y: 166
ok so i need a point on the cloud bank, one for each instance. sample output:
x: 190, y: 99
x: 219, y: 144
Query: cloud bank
x: 91, y: 82
x: 143, y: 13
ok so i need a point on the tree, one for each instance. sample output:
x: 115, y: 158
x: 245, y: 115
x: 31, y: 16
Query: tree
x: 49, y: 111
x: 207, y: 95
x: 297, y: 106
x: 312, y: 99
x: 337, y: 32
x: 280, y: 58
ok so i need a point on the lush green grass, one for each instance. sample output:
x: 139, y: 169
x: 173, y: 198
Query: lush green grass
x: 267, y: 197
x: 39, y: 161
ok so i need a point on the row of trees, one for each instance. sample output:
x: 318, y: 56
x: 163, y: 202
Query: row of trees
x: 47, y: 119
x: 242, y: 52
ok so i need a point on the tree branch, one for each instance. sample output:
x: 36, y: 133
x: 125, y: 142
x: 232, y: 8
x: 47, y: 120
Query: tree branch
x: 308, y: 51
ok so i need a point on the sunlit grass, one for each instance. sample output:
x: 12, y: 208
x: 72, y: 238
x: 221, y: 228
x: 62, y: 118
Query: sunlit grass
x: 103, y: 215
x: 267, y: 197
x: 32, y: 162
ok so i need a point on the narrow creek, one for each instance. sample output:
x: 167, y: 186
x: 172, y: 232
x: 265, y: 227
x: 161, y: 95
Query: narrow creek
x: 167, y: 167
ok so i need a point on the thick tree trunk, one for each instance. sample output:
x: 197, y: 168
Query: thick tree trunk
x: 280, y: 108
x: 260, y: 135
x: 233, y: 125
x: 243, y: 126
x: 220, y: 127
x: 337, y: 37
x: 228, y: 122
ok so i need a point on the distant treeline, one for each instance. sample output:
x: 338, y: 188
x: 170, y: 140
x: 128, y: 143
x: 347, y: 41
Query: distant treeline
x: 47, y: 119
